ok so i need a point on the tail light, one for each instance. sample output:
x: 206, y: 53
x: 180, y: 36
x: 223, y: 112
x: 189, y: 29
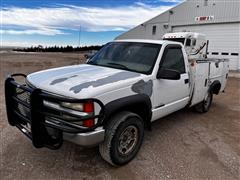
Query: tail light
x: 89, y: 108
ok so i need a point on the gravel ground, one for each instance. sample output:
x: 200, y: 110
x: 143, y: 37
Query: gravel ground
x: 184, y: 145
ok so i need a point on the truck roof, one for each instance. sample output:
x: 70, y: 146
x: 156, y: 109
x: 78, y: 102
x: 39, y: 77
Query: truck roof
x: 183, y: 35
x: 146, y: 41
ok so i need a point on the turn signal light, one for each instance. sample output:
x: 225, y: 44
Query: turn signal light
x: 88, y: 123
x: 89, y: 108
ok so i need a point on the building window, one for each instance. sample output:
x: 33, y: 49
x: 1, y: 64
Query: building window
x: 234, y: 54
x: 224, y: 53
x: 154, y: 29
x: 205, y: 2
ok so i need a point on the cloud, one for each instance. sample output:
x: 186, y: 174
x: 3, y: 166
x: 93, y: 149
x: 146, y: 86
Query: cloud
x: 17, y: 44
x: 55, y: 20
x: 171, y: 1
x: 30, y: 43
x: 42, y: 31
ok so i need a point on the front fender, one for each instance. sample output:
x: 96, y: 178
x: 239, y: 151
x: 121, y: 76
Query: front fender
x: 138, y: 103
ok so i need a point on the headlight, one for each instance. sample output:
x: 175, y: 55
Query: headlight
x: 87, y: 107
x: 73, y: 106
x: 80, y: 109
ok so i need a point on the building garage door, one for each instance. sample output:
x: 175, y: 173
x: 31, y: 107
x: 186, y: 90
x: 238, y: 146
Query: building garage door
x: 224, y: 40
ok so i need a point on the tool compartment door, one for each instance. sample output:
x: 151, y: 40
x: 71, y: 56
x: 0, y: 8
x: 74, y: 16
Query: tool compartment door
x: 216, y: 69
x: 200, y: 79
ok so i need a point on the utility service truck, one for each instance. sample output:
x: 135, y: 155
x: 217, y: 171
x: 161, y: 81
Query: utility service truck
x: 114, y: 97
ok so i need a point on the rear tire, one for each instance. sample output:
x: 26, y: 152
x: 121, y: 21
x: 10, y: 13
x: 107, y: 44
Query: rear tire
x: 205, y: 105
x: 123, y: 138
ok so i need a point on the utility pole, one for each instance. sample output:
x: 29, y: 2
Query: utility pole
x: 79, y: 36
x: 79, y: 40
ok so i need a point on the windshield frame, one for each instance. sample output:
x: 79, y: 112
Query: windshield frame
x: 159, y: 46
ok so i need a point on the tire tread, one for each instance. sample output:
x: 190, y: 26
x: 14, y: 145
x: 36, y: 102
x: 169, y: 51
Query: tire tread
x: 105, y: 147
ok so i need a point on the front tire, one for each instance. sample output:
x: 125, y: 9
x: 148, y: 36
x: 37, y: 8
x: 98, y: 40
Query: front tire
x: 123, y: 138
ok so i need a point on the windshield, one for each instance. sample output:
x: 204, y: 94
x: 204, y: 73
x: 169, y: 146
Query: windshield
x: 131, y: 56
x: 181, y: 40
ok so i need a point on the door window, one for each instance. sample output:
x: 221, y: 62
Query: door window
x: 173, y: 59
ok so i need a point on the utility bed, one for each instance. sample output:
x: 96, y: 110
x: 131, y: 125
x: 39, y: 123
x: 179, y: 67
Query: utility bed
x: 203, y: 73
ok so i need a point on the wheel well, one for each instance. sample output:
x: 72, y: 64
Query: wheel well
x: 137, y: 105
x: 215, y: 87
x: 141, y: 110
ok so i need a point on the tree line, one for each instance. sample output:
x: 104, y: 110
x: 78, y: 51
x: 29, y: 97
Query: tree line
x: 40, y: 48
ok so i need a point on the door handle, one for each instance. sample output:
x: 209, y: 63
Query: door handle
x: 186, y: 81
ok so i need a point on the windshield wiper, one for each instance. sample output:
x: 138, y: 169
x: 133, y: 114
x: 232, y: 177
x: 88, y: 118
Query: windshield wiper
x: 91, y: 62
x: 120, y: 65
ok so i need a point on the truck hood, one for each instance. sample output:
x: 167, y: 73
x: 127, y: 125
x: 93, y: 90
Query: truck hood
x: 82, y: 81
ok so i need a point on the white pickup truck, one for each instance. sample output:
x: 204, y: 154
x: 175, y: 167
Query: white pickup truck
x: 111, y: 99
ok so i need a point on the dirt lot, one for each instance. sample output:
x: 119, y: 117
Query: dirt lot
x: 184, y: 145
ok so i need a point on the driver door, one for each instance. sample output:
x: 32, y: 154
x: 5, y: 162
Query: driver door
x: 171, y: 95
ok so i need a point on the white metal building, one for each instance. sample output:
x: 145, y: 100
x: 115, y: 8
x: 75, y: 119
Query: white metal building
x: 219, y: 20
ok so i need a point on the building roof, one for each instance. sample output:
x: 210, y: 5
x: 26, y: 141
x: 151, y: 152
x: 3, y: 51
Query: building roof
x: 190, y: 11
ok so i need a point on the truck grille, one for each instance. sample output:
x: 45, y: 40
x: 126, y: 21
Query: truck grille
x: 23, y: 96
x: 23, y: 111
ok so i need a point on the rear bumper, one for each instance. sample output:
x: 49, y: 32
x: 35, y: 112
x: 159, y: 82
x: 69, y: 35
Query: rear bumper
x: 87, y: 139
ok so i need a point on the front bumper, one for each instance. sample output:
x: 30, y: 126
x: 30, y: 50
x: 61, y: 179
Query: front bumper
x: 46, y: 126
x: 87, y: 139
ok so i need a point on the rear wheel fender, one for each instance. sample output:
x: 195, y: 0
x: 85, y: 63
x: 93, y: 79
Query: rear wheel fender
x: 215, y: 87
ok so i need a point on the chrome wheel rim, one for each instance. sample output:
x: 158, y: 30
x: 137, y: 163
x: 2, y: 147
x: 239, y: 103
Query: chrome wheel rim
x: 128, y: 140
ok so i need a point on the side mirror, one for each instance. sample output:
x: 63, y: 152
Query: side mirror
x: 168, y: 74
